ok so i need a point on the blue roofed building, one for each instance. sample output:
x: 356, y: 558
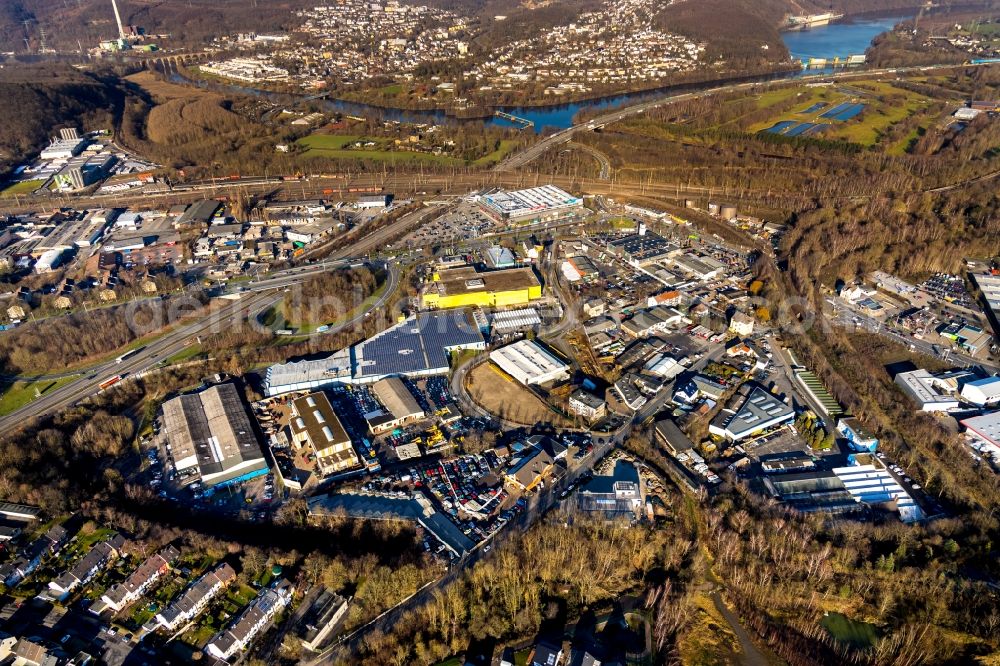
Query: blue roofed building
x: 858, y: 438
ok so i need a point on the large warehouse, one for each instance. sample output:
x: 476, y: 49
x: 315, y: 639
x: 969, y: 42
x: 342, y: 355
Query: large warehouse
x: 210, y: 432
x: 529, y: 362
x: 400, y: 407
x: 931, y: 393
x: 416, y: 347
x: 464, y: 286
x: 982, y: 392
x: 532, y: 206
x: 986, y: 427
x: 759, y: 411
x: 315, y: 424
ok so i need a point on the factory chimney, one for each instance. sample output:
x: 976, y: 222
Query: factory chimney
x: 118, y: 18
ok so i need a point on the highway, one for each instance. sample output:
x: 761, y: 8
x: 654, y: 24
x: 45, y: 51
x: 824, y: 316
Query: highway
x: 249, y: 299
x: 529, y: 155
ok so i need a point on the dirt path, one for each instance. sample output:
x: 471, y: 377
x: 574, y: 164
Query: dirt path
x: 750, y: 656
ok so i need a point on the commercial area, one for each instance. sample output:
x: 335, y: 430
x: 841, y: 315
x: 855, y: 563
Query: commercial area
x: 531, y: 206
x: 211, y: 438
x: 530, y: 362
x: 416, y: 347
x: 464, y: 286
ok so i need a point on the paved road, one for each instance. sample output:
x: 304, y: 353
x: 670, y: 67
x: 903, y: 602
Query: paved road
x: 601, y: 158
x: 251, y: 300
x: 529, y: 155
x: 843, y: 316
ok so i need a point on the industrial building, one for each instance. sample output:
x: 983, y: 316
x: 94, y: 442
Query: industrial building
x: 464, y: 286
x: 529, y: 362
x: 985, y: 427
x: 240, y: 633
x: 701, y: 267
x: 63, y: 149
x: 982, y: 392
x: 671, y: 437
x: 844, y: 490
x: 315, y: 424
x: 932, y: 393
x: 337, y: 368
x: 857, y: 436
x: 579, y: 267
x: 400, y: 407
x: 211, y: 435
x: 531, y: 206
x: 586, y: 404
x: 200, y: 212
x: 618, y: 493
x: 664, y: 366
x: 416, y: 347
x: 989, y: 286
x: 507, y: 322
x: 500, y: 257
x: 195, y: 598
x: 658, y: 319
x: 759, y: 411
x: 379, y: 507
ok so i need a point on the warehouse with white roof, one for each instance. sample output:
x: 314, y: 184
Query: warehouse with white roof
x: 982, y: 392
x: 529, y: 362
x: 537, y: 204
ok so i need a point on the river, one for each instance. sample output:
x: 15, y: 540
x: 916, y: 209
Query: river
x: 840, y: 39
x: 836, y: 40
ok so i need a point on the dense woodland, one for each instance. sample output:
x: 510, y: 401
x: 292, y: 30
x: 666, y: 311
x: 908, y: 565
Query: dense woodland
x: 190, y: 23
x: 329, y: 296
x: 49, y: 97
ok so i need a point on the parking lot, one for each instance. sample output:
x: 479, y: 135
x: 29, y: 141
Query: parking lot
x: 464, y: 222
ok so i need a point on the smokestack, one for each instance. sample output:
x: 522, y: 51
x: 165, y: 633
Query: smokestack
x: 118, y: 18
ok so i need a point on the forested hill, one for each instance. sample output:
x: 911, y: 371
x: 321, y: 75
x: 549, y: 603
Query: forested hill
x: 45, y: 97
x: 188, y: 22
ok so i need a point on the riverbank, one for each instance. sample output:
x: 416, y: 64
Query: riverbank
x: 556, y: 116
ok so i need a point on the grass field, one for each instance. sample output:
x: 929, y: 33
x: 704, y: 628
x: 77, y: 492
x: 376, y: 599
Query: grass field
x: 332, y: 146
x: 329, y: 141
x: 498, y: 394
x: 506, y: 146
x: 19, y: 394
x: 867, y: 129
x: 23, y: 187
x: 188, y: 353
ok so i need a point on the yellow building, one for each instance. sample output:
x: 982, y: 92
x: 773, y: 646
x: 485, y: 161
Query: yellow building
x: 465, y: 287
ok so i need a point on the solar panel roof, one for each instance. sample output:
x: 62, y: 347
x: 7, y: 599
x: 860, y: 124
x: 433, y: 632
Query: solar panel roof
x: 417, y: 344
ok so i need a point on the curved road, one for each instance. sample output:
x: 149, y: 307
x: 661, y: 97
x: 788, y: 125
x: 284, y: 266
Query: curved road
x: 565, y: 136
x: 252, y: 298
